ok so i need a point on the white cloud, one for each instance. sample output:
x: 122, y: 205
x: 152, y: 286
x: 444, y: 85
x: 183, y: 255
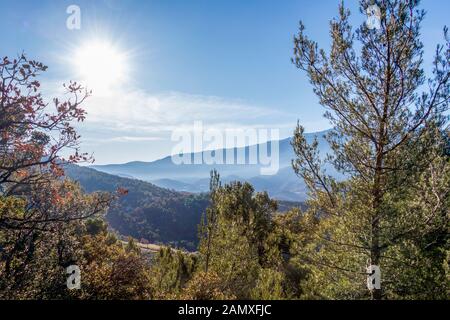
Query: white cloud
x: 138, y: 111
x: 121, y: 139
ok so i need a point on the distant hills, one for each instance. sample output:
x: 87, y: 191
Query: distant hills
x: 284, y: 185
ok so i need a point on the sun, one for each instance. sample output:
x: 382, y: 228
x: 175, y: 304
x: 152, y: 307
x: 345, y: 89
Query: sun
x: 100, y: 65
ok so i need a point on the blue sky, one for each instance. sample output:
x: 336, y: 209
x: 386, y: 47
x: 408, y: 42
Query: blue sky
x: 226, y: 63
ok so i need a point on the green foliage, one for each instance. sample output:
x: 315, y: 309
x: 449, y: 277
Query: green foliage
x: 44, y: 238
x: 206, y: 286
x: 239, y: 242
x: 269, y: 285
x: 111, y: 270
x: 171, y: 269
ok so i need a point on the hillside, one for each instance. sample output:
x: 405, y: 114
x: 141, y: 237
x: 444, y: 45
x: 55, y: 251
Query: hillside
x: 147, y: 212
x: 150, y: 213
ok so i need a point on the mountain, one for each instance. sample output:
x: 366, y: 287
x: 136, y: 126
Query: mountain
x: 284, y: 185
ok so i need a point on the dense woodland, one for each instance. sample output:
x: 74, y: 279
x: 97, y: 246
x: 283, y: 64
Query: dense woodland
x: 146, y: 212
x: 390, y: 139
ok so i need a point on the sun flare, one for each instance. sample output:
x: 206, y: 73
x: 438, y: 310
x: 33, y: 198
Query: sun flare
x: 100, y: 65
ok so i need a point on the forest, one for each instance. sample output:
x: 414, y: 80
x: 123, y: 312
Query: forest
x: 390, y: 139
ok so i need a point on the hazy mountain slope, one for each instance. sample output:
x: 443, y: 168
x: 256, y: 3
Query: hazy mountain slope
x: 284, y: 185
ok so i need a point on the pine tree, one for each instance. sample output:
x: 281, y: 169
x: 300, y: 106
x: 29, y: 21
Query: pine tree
x: 209, y: 222
x: 387, y: 117
x: 238, y: 248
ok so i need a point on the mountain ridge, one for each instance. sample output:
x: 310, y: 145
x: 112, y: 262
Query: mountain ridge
x: 284, y: 185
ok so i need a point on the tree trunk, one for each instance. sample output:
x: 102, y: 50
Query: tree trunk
x: 375, y: 250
